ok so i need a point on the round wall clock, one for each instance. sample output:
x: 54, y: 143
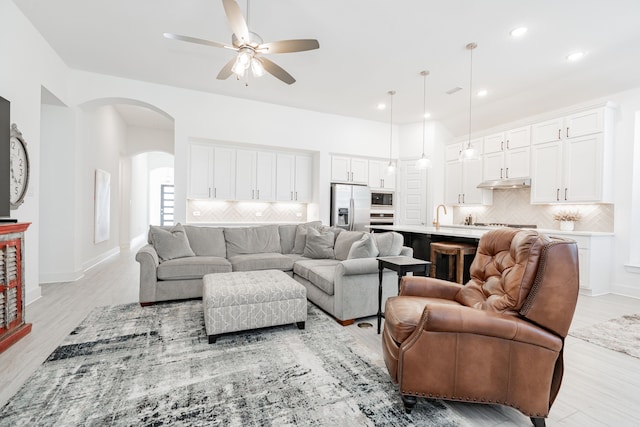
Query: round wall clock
x: 19, y: 168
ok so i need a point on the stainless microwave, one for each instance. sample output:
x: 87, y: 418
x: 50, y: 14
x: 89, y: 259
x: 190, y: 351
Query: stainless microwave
x: 382, y: 199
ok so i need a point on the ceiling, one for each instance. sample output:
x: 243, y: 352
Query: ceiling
x: 367, y: 47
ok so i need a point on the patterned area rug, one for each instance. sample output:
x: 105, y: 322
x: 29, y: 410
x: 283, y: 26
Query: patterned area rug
x: 127, y: 365
x: 621, y: 334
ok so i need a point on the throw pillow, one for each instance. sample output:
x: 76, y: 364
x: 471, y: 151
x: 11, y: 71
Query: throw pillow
x: 301, y: 235
x: 389, y: 244
x: 319, y: 244
x: 363, y: 248
x: 170, y: 244
x: 343, y: 243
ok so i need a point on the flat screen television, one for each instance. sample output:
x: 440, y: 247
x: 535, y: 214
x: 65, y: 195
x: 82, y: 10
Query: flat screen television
x: 5, y: 135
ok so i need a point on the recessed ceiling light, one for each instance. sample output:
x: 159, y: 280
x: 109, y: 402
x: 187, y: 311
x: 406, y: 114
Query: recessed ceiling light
x: 518, y: 32
x: 382, y: 106
x: 575, y: 56
x: 482, y: 92
x: 427, y: 115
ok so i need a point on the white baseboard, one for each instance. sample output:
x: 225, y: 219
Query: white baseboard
x: 33, y: 295
x: 102, y: 257
x: 627, y: 291
x: 61, y: 277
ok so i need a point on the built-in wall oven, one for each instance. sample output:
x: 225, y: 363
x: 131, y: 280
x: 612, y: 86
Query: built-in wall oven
x: 382, y: 208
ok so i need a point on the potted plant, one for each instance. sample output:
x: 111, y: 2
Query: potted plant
x: 567, y: 219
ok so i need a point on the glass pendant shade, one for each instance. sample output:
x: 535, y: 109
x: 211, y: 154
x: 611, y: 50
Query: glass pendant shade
x: 424, y: 162
x: 469, y: 153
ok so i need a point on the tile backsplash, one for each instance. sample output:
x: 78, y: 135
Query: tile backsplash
x: 244, y: 212
x: 512, y: 206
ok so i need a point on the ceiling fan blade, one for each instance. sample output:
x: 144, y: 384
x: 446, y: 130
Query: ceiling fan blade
x: 286, y: 46
x: 226, y: 72
x: 277, y: 71
x: 236, y: 20
x: 196, y: 40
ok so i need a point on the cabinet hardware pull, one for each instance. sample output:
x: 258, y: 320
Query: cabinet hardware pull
x: 458, y: 197
x: 292, y: 195
x: 215, y: 192
x: 567, y: 131
x: 507, y: 144
x: 253, y: 194
x: 559, y: 136
x: 462, y: 198
x: 557, y: 194
x: 209, y: 192
x: 258, y: 194
x: 500, y: 173
x: 506, y: 175
x: 296, y: 195
x: 565, y: 193
x: 501, y: 145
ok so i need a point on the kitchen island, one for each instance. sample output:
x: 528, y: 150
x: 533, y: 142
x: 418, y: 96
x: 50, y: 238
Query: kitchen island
x: 594, y: 248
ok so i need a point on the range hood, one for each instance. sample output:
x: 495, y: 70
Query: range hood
x: 506, y: 183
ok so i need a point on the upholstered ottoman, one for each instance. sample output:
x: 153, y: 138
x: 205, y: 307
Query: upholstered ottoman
x: 251, y: 299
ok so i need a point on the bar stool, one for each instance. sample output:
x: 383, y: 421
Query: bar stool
x: 456, y: 252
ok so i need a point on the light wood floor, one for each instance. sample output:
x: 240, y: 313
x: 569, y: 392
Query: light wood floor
x: 601, y: 387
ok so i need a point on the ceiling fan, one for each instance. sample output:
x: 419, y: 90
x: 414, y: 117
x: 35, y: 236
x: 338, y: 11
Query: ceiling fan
x: 250, y: 48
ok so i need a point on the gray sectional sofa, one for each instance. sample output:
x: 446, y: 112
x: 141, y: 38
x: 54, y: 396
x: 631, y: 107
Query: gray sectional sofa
x: 338, y: 268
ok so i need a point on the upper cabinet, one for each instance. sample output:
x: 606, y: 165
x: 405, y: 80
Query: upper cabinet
x: 293, y: 177
x: 571, y: 158
x: 351, y: 170
x: 507, y: 154
x: 379, y: 178
x: 462, y: 178
x: 255, y: 175
x: 228, y: 173
x: 211, y: 172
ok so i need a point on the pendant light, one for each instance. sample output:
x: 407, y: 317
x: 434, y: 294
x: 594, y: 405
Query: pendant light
x: 470, y: 153
x: 424, y: 162
x: 391, y: 167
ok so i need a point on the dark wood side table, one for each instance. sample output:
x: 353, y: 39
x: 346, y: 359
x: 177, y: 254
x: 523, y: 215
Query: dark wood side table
x: 402, y: 265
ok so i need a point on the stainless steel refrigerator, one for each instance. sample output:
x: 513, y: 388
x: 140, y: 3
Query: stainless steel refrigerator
x: 350, y: 206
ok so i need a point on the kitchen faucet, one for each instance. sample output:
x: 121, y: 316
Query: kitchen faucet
x: 436, y: 222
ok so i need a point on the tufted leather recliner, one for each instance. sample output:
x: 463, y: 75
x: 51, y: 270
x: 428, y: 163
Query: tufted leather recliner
x: 498, y: 339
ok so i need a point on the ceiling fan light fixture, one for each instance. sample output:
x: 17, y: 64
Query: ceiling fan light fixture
x: 257, y: 68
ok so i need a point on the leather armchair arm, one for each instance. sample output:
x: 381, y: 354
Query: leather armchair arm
x: 429, y: 287
x: 463, y: 319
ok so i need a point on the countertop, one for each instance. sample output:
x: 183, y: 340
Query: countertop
x: 473, y: 231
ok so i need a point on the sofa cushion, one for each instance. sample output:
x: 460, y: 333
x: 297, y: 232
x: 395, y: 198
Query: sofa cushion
x: 363, y: 248
x: 170, y: 244
x: 262, y: 261
x: 252, y: 240
x: 389, y: 244
x: 192, y: 267
x: 344, y: 241
x: 206, y: 241
x: 319, y: 244
x: 303, y: 267
x: 287, y: 237
x: 301, y: 235
x: 323, y: 277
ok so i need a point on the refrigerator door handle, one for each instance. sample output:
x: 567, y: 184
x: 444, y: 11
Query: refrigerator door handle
x: 351, y: 216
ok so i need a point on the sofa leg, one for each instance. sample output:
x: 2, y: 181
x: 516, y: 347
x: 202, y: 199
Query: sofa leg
x: 409, y: 402
x: 300, y: 325
x: 346, y: 322
x: 146, y: 304
x: 212, y: 339
x: 538, y: 422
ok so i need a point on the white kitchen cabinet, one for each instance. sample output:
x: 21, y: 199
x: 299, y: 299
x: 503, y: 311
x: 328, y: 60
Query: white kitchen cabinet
x: 594, y: 260
x: 453, y: 151
x: 293, y: 177
x: 255, y: 175
x: 575, y: 125
x: 211, y: 172
x: 575, y: 166
x: 461, y: 181
x: 351, y: 170
x: 379, y: 178
x: 507, y: 154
